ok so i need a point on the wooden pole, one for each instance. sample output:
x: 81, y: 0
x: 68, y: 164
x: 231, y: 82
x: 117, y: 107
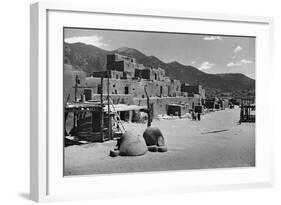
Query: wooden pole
x: 108, y: 108
x: 149, y: 120
x: 76, y: 88
x: 75, y: 100
x: 101, y: 111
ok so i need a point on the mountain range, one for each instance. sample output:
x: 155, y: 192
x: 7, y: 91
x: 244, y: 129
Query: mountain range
x: 90, y: 58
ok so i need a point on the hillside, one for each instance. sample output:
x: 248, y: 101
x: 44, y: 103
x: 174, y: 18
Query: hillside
x: 90, y: 58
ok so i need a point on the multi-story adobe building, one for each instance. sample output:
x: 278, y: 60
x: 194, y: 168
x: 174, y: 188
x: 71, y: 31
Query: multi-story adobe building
x: 127, y: 80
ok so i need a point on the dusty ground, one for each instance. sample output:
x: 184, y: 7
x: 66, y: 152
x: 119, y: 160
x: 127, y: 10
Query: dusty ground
x: 217, y: 141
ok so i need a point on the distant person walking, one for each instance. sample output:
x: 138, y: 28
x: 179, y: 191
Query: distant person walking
x: 199, y: 116
x: 193, y: 115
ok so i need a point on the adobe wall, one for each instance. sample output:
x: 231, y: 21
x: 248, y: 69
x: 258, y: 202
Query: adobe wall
x: 119, y: 57
x: 158, y: 74
x: 128, y: 86
x: 111, y: 73
x: 137, y: 95
x: 69, y: 82
x: 116, y: 74
x: 193, y: 89
x: 116, y: 86
x: 175, y: 88
x: 123, y: 64
x: 116, y: 99
x: 160, y: 104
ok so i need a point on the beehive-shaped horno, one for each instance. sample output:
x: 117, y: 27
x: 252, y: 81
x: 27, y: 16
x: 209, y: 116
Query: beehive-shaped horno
x: 132, y: 144
x: 154, y: 139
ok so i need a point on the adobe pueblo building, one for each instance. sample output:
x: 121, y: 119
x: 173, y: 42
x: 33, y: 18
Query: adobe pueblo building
x: 127, y: 80
x: 130, y: 86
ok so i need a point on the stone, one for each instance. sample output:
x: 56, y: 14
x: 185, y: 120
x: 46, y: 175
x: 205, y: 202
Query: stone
x: 114, y: 153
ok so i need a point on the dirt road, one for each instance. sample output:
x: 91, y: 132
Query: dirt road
x: 217, y: 141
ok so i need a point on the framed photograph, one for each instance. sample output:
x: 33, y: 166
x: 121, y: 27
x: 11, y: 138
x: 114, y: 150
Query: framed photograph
x: 128, y: 102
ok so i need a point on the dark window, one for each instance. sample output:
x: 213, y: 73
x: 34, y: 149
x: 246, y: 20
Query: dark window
x: 99, y: 89
x: 126, y: 90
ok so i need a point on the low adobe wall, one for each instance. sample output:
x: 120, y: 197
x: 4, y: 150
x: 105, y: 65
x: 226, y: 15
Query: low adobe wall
x: 160, y: 104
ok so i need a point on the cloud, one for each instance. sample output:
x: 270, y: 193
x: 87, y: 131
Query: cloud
x: 212, y: 38
x: 231, y: 64
x: 238, y: 49
x: 239, y: 63
x: 94, y: 40
x: 193, y: 62
x: 206, y: 65
x: 244, y: 61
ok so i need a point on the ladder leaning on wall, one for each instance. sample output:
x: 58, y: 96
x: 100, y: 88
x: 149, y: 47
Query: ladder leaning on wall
x: 117, y: 118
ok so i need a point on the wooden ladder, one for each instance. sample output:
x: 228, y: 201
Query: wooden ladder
x: 117, y: 118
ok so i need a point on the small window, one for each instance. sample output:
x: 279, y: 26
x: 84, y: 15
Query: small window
x: 126, y: 90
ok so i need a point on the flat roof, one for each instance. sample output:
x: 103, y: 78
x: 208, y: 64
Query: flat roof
x: 114, y: 108
x: 124, y: 107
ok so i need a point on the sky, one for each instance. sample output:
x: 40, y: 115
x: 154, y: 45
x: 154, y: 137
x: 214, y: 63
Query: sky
x: 209, y: 53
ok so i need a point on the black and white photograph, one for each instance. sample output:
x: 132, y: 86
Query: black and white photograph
x: 140, y: 102
x: 146, y: 101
